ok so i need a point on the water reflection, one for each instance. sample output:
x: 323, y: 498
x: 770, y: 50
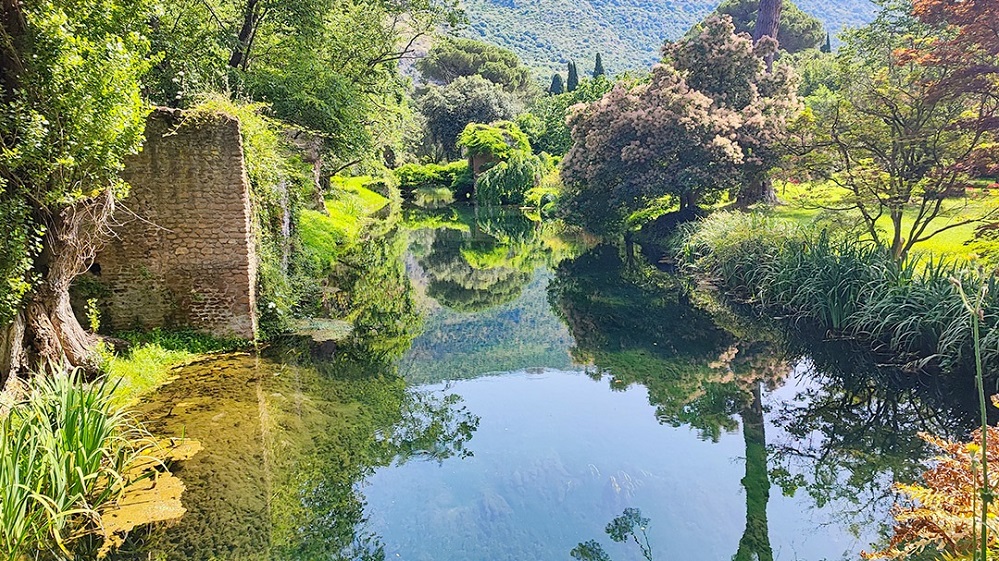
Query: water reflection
x: 310, y: 455
x: 480, y: 259
x: 844, y: 428
x: 288, y: 441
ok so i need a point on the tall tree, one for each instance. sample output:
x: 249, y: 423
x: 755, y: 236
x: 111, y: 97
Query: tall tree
x: 768, y: 25
x: 709, y: 120
x: 469, y: 99
x: 797, y: 31
x: 827, y: 46
x: 71, y: 112
x: 573, y: 80
x: 761, y: 189
x: 454, y: 57
x: 598, y: 67
x: 557, y: 87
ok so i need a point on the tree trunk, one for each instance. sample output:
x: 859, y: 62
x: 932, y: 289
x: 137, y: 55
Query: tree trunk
x: 760, y: 189
x: 767, y: 25
x: 897, y: 242
x: 688, y: 200
x: 46, y: 335
x: 241, y: 51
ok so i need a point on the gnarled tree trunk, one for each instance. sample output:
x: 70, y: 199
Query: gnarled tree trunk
x: 46, y: 335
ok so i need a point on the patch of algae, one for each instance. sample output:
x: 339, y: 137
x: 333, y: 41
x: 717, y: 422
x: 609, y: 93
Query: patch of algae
x: 153, y: 496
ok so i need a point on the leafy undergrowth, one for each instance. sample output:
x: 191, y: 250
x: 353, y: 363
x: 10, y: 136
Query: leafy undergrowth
x: 151, y: 356
x: 940, y: 515
x: 328, y: 236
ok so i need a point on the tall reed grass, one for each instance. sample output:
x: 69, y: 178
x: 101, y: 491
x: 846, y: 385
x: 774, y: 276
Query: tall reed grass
x: 848, y: 287
x: 64, y: 450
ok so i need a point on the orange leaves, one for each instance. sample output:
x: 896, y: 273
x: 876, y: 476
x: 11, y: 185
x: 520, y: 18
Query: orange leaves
x: 942, y: 513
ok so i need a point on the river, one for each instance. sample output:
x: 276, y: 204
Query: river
x: 502, y: 390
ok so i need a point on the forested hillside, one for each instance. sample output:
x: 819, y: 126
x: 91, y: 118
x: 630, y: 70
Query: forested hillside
x: 627, y: 33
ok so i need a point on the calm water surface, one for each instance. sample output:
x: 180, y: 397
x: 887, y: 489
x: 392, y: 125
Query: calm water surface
x: 508, y: 390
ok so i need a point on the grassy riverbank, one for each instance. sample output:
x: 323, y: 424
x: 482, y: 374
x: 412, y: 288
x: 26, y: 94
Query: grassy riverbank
x: 851, y: 288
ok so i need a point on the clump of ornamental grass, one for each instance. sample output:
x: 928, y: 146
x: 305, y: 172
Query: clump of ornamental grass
x: 847, y: 286
x: 65, y: 448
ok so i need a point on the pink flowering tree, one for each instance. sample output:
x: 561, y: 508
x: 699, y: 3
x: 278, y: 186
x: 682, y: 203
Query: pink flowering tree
x: 709, y: 120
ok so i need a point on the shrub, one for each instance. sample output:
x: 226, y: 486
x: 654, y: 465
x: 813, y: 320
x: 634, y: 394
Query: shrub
x: 454, y: 176
x: 507, y: 181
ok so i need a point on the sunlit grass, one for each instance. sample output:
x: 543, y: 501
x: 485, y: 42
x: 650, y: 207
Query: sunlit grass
x: 143, y: 369
x: 146, y: 365
x: 803, y: 204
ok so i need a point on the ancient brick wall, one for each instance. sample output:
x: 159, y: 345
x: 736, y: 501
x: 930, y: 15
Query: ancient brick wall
x: 184, y: 251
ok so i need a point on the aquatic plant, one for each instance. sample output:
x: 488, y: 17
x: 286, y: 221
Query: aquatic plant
x: 64, y: 450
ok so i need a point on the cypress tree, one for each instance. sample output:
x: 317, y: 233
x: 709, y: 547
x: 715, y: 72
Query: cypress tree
x: 557, y: 86
x: 573, y: 81
x: 827, y: 46
x: 598, y: 68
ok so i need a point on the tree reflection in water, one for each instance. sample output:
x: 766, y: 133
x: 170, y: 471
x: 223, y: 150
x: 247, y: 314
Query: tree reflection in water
x: 484, y: 260
x: 849, y: 431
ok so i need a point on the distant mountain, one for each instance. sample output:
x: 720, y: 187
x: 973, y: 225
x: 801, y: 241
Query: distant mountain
x: 627, y: 33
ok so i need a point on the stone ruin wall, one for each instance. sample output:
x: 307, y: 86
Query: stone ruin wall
x: 184, y: 251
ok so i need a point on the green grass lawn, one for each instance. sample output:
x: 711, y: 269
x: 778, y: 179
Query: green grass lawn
x: 349, y: 205
x: 803, y: 202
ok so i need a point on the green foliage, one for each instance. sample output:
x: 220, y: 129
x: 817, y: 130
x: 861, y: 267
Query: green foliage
x: 71, y: 113
x: 453, y: 57
x: 333, y: 71
x: 506, y: 182
x: 454, y: 176
x: 498, y: 140
x: 818, y: 73
x: 545, y: 197
x: 892, y: 93
x: 555, y: 136
x: 186, y: 340
x: 798, y: 31
x: 64, y: 451
x: 911, y: 307
x: 469, y: 99
x: 19, y: 244
x: 627, y: 33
